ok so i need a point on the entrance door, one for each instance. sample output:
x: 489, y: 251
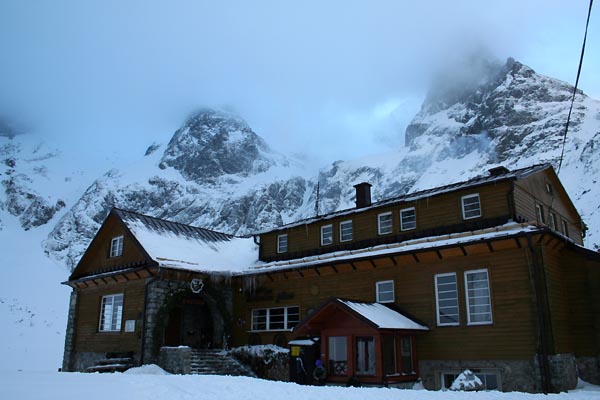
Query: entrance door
x: 197, y: 326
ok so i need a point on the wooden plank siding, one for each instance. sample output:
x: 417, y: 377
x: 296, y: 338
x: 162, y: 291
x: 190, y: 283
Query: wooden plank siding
x: 532, y: 190
x: 87, y: 335
x: 97, y: 256
x: 432, y: 215
x: 574, y: 301
x: 513, y: 332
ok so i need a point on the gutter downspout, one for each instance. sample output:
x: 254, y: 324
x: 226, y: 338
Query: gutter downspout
x: 143, y: 338
x: 543, y: 357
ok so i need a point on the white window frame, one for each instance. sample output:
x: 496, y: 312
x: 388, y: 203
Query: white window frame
x: 489, y: 297
x: 437, y: 300
x: 281, y: 248
x: 565, y: 228
x: 287, y: 323
x: 464, y: 211
x: 403, y: 224
x: 116, y: 246
x: 114, y: 315
x: 539, y: 213
x: 330, y: 228
x: 380, y: 292
x: 552, y: 220
x: 379, y: 225
x: 346, y: 223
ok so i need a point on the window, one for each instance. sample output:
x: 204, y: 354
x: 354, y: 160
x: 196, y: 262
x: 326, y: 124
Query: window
x: 385, y: 291
x: 384, y: 223
x: 479, y: 307
x: 539, y: 213
x: 365, y: 355
x: 282, y: 243
x: 338, y: 355
x: 116, y: 246
x: 565, y: 227
x: 408, y: 219
x: 389, y: 355
x: 111, y: 313
x: 490, y: 379
x: 552, y: 220
x: 326, y: 235
x: 345, y: 231
x: 273, y: 319
x: 406, y: 346
x: 471, y: 207
x: 446, y: 295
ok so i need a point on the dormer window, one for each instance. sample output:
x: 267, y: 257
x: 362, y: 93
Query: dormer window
x: 282, y: 243
x: 345, y: 231
x: 471, y: 206
x: 326, y: 235
x: 116, y: 246
x: 408, y: 219
x: 384, y: 223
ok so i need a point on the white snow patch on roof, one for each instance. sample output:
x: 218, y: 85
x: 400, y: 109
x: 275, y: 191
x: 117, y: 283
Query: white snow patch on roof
x: 384, y: 317
x: 190, y: 253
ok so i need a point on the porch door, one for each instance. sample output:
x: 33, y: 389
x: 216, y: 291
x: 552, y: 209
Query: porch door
x: 365, y: 355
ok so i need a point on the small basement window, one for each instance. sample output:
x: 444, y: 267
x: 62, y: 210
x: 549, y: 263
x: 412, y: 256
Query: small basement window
x: 282, y: 243
x: 384, y: 223
x: 326, y: 235
x: 471, y: 206
x: 116, y: 246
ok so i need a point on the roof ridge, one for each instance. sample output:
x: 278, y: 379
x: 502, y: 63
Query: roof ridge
x: 187, y: 226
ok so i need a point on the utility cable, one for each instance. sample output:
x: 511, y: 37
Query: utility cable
x: 562, y: 153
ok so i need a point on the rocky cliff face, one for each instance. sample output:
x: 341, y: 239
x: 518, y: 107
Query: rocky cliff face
x: 217, y: 173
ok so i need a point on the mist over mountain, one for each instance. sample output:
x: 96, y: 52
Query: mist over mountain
x: 216, y: 172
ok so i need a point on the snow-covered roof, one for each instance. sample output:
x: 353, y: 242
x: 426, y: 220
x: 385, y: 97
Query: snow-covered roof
x: 382, y: 316
x: 181, y: 246
x: 431, y: 242
x: 500, y: 174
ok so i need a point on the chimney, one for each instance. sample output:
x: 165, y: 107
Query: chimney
x: 497, y: 171
x: 363, y: 194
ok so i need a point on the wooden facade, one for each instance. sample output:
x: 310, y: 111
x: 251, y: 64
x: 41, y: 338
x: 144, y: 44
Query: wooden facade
x: 518, y: 247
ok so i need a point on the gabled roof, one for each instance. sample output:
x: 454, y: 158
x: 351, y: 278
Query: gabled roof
x: 181, y: 246
x: 382, y: 317
x: 497, y: 174
x: 376, y: 315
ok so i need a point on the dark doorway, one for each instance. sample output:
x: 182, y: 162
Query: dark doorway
x: 190, y: 324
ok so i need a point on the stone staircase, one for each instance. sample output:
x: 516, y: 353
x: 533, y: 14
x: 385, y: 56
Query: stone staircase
x: 217, y: 362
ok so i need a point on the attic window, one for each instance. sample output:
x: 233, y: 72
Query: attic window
x: 116, y: 246
x: 384, y: 223
x: 471, y: 206
x: 326, y: 235
x: 548, y: 188
x: 282, y: 243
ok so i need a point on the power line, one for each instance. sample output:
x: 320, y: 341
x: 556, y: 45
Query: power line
x: 562, y: 153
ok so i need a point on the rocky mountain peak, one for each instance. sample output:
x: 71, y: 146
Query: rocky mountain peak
x: 212, y: 143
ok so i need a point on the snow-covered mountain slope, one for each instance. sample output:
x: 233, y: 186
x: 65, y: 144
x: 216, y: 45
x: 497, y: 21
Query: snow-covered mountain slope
x: 217, y: 173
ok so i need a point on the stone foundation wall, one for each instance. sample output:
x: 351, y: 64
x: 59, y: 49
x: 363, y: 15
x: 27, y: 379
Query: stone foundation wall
x: 514, y: 375
x: 176, y: 360
x: 588, y: 369
x: 69, y: 355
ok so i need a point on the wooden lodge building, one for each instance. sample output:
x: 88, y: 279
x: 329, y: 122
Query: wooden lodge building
x: 489, y: 275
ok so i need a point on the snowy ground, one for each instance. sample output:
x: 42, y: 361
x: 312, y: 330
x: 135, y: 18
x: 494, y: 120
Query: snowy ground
x: 152, y: 383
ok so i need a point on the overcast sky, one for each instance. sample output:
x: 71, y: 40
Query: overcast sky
x: 332, y: 79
